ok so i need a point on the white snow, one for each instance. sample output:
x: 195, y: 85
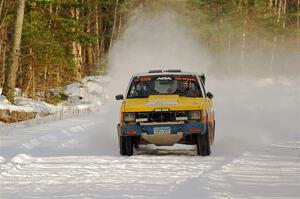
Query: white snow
x: 255, y: 155
x: 90, y: 89
x: 26, y: 104
x: 85, y: 95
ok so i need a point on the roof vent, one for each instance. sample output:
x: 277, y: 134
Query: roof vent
x: 173, y: 71
x: 155, y: 71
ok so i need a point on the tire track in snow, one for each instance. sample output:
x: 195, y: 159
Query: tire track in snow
x: 268, y: 172
x: 99, y: 177
x: 263, y: 173
x: 60, y: 136
x: 44, y: 139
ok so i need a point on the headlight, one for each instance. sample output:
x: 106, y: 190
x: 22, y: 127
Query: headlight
x: 129, y: 117
x: 194, y: 115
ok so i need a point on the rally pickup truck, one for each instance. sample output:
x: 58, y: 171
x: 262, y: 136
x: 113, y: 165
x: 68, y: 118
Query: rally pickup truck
x: 164, y: 108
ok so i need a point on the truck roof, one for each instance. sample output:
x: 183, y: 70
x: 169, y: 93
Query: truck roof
x: 166, y: 72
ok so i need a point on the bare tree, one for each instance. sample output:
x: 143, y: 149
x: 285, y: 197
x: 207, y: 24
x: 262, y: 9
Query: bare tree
x: 114, y: 25
x: 77, y: 48
x: 13, y: 62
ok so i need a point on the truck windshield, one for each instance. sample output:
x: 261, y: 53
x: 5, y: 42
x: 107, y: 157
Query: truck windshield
x: 182, y: 85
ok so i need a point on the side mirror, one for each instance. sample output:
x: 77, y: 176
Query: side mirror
x: 210, y: 95
x: 119, y: 97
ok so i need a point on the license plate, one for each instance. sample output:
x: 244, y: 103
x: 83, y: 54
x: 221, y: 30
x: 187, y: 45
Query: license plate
x: 162, y: 130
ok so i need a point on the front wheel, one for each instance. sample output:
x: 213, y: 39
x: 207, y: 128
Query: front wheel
x: 203, y: 145
x: 126, y: 145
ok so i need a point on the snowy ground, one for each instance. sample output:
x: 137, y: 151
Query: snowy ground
x: 83, y: 94
x: 256, y: 153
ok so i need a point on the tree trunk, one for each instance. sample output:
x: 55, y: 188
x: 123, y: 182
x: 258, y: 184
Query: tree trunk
x: 77, y: 54
x: 89, y: 58
x: 45, y: 80
x: 270, y: 3
x: 120, y: 27
x: 27, y: 84
x: 240, y: 5
x: 3, y: 12
x: 242, y: 53
x: 298, y: 22
x: 98, y: 23
x: 77, y: 49
x: 284, y: 14
x: 3, y: 55
x: 279, y: 11
x: 3, y: 40
x: 1, y: 6
x: 3, y: 45
x: 114, y: 25
x: 273, y: 55
x: 12, y: 66
x: 33, y: 83
x: 298, y: 26
x: 284, y: 7
x: 58, y: 77
x: 275, y: 6
x: 28, y: 66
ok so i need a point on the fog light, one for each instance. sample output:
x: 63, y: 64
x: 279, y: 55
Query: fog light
x: 141, y: 120
x: 181, y: 118
x: 129, y: 117
x: 194, y: 115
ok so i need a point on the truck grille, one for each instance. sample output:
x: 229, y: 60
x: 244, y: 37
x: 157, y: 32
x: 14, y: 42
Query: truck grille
x: 161, y: 116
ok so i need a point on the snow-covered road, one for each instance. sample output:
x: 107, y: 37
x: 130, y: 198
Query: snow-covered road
x: 256, y: 154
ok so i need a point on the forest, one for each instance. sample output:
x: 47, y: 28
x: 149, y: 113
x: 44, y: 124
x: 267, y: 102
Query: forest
x: 47, y: 44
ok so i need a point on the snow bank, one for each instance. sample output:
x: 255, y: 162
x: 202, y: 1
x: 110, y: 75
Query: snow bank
x: 26, y: 105
x: 88, y: 90
x: 86, y: 95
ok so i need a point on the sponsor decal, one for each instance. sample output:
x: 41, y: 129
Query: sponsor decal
x: 164, y: 78
x: 143, y: 79
x: 162, y: 103
x: 185, y: 79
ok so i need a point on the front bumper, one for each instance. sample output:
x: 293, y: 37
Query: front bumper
x: 186, y: 129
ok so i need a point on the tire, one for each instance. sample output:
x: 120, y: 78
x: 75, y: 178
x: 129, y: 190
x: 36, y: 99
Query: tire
x: 136, y: 145
x: 126, y: 145
x: 203, y: 145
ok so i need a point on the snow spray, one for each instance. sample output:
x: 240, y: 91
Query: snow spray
x: 154, y: 41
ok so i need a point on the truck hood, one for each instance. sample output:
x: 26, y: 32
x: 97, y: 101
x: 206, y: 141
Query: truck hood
x: 170, y: 102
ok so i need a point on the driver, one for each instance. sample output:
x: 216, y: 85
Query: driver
x: 183, y: 89
x: 186, y: 90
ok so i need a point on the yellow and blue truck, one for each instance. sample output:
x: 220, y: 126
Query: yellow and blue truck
x: 165, y: 107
